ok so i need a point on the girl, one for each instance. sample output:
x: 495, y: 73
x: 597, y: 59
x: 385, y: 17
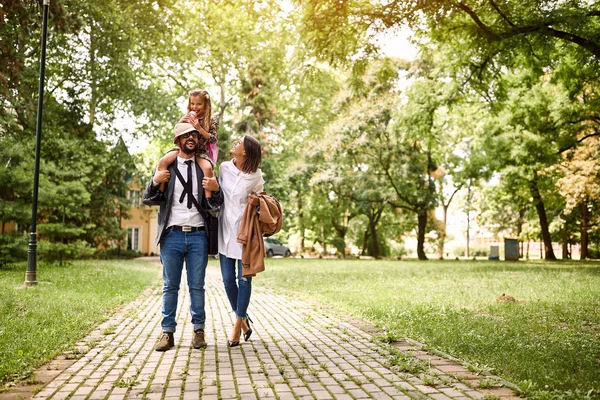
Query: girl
x: 199, y: 116
x: 238, y: 178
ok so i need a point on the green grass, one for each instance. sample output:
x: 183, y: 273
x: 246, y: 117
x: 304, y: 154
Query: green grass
x: 549, y: 344
x: 39, y: 322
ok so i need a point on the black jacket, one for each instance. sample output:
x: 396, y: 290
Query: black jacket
x: 210, y: 222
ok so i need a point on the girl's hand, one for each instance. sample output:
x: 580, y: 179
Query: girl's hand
x: 190, y: 120
x: 162, y: 176
x: 199, y: 128
x: 196, y: 124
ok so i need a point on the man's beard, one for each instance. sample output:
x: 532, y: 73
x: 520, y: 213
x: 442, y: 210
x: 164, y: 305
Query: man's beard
x: 186, y: 150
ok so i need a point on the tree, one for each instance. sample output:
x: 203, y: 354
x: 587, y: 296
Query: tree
x: 490, y: 27
x: 82, y: 188
x: 381, y: 160
x: 16, y: 182
x: 533, y: 125
x: 96, y: 70
x: 580, y: 186
x: 350, y: 167
x: 419, y: 144
x: 332, y: 205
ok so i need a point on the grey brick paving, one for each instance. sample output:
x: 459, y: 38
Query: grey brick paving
x: 298, y: 351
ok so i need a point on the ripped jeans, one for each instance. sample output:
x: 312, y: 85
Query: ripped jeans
x: 238, y: 290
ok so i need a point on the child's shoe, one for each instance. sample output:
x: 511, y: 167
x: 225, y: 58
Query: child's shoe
x: 156, y: 199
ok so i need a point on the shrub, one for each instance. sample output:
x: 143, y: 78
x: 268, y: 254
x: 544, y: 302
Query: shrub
x: 56, y: 251
x: 339, y: 243
x: 114, y: 253
x: 398, y: 250
x: 474, y: 251
x: 13, y: 248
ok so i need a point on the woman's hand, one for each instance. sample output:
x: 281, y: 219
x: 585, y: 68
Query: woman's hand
x: 210, y: 183
x: 253, y: 198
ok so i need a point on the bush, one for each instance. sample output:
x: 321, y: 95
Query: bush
x: 13, y: 248
x: 594, y: 251
x: 398, y: 250
x: 113, y: 254
x: 474, y: 251
x: 339, y: 243
x: 55, y: 251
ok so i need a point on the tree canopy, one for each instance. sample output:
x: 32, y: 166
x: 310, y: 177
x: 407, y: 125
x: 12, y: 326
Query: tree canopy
x: 498, y: 115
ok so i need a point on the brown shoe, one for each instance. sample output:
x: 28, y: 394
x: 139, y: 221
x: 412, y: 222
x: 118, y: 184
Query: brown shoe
x: 167, y: 341
x: 198, y: 341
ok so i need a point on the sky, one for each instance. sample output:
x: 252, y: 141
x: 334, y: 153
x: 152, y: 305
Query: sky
x: 395, y: 43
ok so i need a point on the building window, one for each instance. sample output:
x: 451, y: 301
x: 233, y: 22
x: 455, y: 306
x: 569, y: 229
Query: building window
x: 133, y: 239
x: 134, y: 197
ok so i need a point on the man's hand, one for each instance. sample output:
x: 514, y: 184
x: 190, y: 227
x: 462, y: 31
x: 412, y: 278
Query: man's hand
x: 210, y: 183
x: 161, y: 176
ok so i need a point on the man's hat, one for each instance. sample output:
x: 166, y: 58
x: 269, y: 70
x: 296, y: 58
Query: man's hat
x: 181, y: 128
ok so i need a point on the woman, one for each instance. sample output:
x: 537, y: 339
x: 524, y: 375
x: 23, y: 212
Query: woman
x: 238, y: 178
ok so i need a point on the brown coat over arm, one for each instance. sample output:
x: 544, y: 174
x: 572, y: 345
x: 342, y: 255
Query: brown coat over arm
x: 262, y: 217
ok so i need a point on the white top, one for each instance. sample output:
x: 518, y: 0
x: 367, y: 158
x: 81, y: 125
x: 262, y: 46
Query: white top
x: 236, y: 186
x: 180, y: 214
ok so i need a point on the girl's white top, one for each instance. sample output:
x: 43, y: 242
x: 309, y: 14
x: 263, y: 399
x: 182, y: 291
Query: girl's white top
x: 236, y: 186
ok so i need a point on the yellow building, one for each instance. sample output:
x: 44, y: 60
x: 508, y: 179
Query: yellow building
x: 141, y: 222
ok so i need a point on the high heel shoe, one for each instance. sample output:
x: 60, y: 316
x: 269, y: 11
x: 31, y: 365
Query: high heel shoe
x: 234, y: 343
x: 248, y: 333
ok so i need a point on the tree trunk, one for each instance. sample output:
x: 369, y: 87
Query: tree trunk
x: 323, y: 242
x: 565, y: 242
x: 222, y: 103
x: 467, y: 253
x: 520, y: 223
x: 541, y: 210
x: 340, y: 231
x: 442, y: 239
x: 422, y: 225
x: 301, y: 226
x: 376, y: 252
x: 583, y: 230
x: 93, y: 81
x: 365, y: 243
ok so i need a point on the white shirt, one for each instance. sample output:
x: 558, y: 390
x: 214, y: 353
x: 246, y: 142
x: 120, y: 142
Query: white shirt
x: 180, y: 214
x: 236, y: 186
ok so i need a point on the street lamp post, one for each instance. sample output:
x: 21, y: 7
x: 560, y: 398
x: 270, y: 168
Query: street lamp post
x: 30, y: 275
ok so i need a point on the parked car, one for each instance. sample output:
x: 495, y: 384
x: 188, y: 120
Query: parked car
x: 274, y: 247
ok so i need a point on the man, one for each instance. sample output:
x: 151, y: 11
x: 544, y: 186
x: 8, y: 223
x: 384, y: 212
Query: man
x: 182, y: 233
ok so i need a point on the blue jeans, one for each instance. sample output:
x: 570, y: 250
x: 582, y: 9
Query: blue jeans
x: 238, y: 292
x: 175, y: 248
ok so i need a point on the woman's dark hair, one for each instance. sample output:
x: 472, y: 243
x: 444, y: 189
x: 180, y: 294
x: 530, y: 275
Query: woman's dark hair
x: 253, y: 155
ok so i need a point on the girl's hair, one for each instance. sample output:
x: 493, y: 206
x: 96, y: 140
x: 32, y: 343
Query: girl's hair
x: 207, y: 107
x: 253, y: 155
